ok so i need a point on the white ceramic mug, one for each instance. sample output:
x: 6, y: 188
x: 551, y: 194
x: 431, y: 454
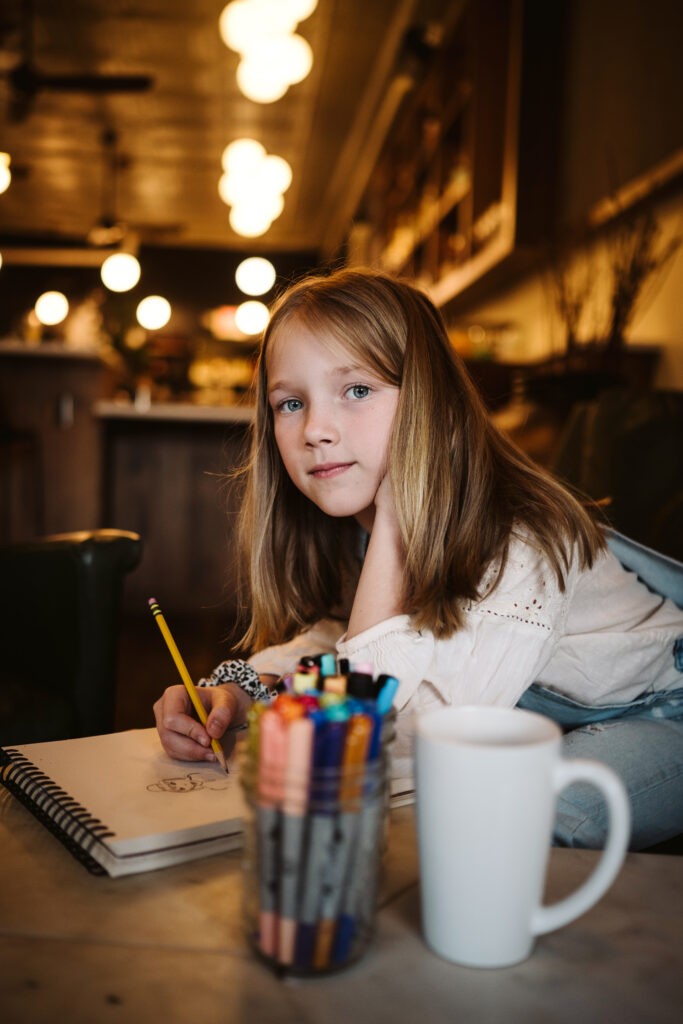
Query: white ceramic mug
x: 487, y: 781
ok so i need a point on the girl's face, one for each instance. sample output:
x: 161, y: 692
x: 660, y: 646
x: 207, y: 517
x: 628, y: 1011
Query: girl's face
x: 333, y: 419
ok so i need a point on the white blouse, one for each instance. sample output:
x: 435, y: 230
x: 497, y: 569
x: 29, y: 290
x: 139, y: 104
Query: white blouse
x: 605, y: 639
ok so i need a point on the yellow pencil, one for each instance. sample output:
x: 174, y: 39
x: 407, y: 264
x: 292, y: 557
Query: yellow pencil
x: 185, y: 676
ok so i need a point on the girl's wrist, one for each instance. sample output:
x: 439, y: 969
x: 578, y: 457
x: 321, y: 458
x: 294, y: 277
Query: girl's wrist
x: 241, y: 674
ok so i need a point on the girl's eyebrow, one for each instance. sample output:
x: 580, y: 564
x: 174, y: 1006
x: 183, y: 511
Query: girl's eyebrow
x: 339, y: 371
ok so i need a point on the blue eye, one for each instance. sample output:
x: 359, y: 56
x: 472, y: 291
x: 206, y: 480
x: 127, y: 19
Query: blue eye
x: 360, y: 390
x: 290, y: 405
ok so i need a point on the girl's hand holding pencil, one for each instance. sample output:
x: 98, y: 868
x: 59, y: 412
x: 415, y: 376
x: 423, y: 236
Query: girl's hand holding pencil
x: 217, y: 711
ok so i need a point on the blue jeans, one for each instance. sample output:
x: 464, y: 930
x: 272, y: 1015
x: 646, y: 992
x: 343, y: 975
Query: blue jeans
x: 641, y: 740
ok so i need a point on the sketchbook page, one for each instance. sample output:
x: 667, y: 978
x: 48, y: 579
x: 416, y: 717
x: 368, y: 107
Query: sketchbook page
x: 401, y: 792
x: 145, y: 798
x: 153, y: 860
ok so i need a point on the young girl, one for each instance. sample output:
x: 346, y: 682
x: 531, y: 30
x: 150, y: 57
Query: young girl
x: 388, y: 520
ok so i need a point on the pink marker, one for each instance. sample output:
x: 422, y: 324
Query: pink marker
x: 272, y: 758
x: 297, y: 780
x: 363, y: 666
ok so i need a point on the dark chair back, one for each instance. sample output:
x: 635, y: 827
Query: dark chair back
x: 60, y: 601
x: 627, y: 446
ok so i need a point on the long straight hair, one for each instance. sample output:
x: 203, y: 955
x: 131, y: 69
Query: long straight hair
x: 461, y: 487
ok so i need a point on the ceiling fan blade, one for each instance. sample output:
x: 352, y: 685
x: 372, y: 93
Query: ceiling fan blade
x: 27, y: 81
x: 95, y: 83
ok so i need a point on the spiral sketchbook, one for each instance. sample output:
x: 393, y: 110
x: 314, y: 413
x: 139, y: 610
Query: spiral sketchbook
x: 121, y: 806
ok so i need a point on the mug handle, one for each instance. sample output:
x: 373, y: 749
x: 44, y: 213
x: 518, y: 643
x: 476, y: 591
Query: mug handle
x: 548, y: 918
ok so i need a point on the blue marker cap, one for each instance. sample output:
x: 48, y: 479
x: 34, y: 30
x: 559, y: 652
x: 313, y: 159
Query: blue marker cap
x: 386, y: 695
x: 328, y: 665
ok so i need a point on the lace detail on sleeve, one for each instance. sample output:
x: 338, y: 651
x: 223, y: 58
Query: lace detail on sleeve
x: 528, y: 591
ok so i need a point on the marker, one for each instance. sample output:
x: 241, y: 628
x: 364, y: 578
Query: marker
x: 385, y: 698
x: 328, y: 665
x: 358, y: 736
x: 334, y: 684
x: 361, y: 685
x: 304, y: 682
x: 356, y: 891
x: 328, y: 748
x: 272, y: 756
x: 297, y: 778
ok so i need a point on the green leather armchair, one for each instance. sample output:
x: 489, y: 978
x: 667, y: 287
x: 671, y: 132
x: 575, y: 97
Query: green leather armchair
x: 60, y: 600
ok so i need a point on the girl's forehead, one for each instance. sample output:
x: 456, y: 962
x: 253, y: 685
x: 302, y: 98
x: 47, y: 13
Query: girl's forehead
x: 294, y: 329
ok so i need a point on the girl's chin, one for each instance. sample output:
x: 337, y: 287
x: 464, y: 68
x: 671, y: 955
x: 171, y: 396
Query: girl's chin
x: 364, y: 516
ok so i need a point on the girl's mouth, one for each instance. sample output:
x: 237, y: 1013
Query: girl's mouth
x: 329, y: 469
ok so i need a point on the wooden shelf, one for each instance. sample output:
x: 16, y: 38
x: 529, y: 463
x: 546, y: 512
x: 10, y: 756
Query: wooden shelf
x: 466, y: 178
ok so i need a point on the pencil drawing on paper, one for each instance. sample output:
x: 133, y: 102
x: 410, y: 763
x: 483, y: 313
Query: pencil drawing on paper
x: 188, y: 783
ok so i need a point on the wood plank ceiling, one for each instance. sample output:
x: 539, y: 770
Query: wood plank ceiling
x: 169, y: 139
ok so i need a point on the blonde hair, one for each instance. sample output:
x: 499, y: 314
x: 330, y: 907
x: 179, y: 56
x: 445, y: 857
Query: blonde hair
x: 460, y: 485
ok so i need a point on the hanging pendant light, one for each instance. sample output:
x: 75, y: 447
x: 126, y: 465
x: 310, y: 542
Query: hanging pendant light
x: 51, y: 308
x: 120, y: 272
x: 5, y: 173
x: 255, y: 275
x: 153, y: 312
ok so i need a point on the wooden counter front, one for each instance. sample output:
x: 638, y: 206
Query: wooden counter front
x: 166, y: 477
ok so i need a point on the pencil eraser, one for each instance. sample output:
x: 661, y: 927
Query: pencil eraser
x: 152, y: 601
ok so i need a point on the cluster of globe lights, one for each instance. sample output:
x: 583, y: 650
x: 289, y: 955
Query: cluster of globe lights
x: 52, y: 308
x: 253, y: 184
x: 254, y: 276
x: 272, y: 55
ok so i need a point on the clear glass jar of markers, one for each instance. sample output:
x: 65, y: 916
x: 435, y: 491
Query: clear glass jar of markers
x: 315, y: 772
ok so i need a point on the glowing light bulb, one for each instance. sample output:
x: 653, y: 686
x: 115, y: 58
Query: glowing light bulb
x: 275, y: 173
x: 120, y: 272
x: 249, y: 221
x: 255, y: 275
x: 259, y: 81
x: 251, y: 317
x: 51, y: 308
x: 242, y: 155
x: 242, y: 22
x: 153, y: 312
x: 5, y: 173
x: 299, y: 9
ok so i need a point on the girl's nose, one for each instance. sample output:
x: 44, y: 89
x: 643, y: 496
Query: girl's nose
x: 320, y: 426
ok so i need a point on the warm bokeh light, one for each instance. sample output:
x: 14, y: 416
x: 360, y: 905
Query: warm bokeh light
x: 275, y: 174
x: 274, y: 55
x: 242, y: 155
x: 253, y: 184
x: 120, y: 272
x: 51, y: 308
x: 5, y: 173
x: 255, y: 275
x: 259, y: 81
x: 249, y: 221
x: 251, y: 317
x: 243, y: 22
x: 300, y: 9
x: 153, y: 312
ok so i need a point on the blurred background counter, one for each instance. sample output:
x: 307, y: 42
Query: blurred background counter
x: 74, y: 456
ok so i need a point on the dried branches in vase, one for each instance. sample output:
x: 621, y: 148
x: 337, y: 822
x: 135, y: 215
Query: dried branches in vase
x: 636, y: 254
x: 611, y: 277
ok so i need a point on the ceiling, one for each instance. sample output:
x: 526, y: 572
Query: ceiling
x: 169, y: 138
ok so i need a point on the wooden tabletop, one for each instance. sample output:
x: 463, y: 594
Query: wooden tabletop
x: 168, y: 947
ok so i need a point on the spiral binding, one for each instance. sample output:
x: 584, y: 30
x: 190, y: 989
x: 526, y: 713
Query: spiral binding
x: 69, y: 821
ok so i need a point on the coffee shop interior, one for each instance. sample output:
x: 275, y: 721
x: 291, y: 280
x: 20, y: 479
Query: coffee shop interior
x: 521, y: 161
